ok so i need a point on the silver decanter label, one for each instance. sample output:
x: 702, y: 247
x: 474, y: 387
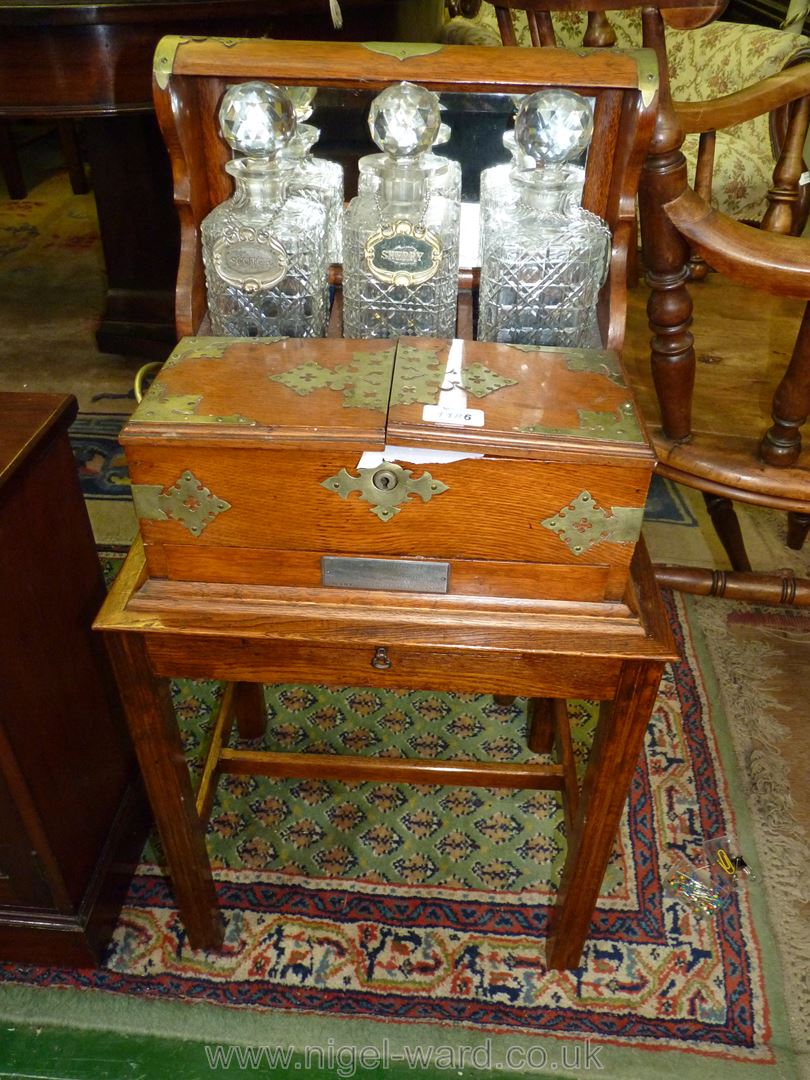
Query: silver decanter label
x: 401, y: 253
x: 253, y: 262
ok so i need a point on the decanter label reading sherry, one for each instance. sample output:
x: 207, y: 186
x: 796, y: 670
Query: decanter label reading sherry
x: 251, y: 262
x: 401, y: 253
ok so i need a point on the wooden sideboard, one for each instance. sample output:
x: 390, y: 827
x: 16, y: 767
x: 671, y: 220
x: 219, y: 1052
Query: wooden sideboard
x: 71, y: 817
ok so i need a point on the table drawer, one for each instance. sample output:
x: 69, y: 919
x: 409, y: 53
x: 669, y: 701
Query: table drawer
x: 391, y: 666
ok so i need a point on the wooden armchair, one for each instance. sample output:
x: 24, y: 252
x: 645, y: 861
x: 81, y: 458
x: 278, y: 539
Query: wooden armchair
x: 741, y: 440
x: 704, y: 63
x: 725, y: 444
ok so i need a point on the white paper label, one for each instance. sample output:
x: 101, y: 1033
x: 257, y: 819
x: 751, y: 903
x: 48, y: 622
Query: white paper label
x: 411, y: 455
x: 449, y: 414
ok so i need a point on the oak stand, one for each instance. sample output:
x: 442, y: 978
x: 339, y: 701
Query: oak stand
x: 157, y: 629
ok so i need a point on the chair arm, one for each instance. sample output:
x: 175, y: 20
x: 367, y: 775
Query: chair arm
x: 771, y: 93
x: 767, y: 261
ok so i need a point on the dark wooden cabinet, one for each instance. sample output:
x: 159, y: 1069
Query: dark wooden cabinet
x: 93, y: 60
x: 71, y: 818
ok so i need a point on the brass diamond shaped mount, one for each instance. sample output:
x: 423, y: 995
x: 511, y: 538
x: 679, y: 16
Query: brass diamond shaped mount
x: 583, y: 524
x: 188, y: 502
x: 191, y: 503
x: 479, y: 380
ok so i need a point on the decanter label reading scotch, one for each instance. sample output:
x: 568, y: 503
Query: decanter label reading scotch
x: 254, y: 261
x: 401, y: 253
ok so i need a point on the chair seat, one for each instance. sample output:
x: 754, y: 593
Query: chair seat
x: 729, y: 465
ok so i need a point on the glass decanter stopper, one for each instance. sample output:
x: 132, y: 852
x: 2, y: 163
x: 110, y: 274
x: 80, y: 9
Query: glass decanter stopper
x: 497, y: 189
x: 400, y: 238
x: 496, y: 185
x: 264, y: 248
x: 443, y: 173
x: 310, y: 175
x: 543, y: 258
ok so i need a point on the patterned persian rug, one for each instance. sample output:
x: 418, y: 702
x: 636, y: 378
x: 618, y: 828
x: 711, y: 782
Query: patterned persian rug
x: 427, y: 907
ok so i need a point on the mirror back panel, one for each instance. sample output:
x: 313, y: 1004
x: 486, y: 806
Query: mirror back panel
x: 191, y: 76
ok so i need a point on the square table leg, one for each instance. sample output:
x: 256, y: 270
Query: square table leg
x: 616, y: 747
x: 250, y: 710
x: 154, y: 731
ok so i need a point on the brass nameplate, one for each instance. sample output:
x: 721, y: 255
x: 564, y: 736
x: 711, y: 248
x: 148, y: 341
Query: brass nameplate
x: 397, y: 575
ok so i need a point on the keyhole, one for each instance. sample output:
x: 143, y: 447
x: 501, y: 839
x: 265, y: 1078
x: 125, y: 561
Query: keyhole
x: 385, y: 479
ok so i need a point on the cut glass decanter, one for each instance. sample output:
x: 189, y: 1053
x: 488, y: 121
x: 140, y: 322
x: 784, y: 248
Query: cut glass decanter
x: 313, y: 176
x: 543, y: 258
x: 264, y: 248
x: 400, y: 240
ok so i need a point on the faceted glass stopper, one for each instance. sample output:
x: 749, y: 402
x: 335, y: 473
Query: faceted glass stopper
x: 257, y: 118
x: 301, y: 98
x: 404, y: 120
x: 554, y: 125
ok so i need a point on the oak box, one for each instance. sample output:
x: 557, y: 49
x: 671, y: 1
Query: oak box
x: 415, y: 465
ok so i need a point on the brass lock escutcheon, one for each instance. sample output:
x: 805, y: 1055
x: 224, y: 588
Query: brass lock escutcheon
x: 386, y: 486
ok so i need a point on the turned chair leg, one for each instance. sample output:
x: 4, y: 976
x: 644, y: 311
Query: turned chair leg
x: 782, y: 443
x: 704, y: 172
x: 666, y: 255
x: 798, y: 527
x: 727, y: 526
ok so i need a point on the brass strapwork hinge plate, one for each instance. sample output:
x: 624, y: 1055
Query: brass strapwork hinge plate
x: 583, y: 523
x: 403, y: 50
x: 620, y: 425
x: 647, y: 65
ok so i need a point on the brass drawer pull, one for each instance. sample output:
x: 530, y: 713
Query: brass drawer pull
x: 381, y: 660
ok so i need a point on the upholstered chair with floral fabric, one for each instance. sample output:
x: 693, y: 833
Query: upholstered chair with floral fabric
x: 704, y: 63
